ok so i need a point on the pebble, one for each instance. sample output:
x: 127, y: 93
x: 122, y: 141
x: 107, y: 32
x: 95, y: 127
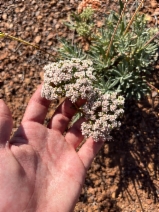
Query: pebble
x: 91, y: 191
x: 12, y: 45
x: 37, y: 39
x: 149, y: 201
x: 39, y: 17
x: 4, y: 16
x: 17, y: 10
x: 96, y: 167
x: 22, y: 9
x: 94, y: 176
x: 154, y: 4
x: 53, y: 2
x: 3, y: 55
x: 90, y: 199
x: 97, y: 182
x: 57, y: 26
x: 27, y: 80
x: 99, y: 23
x: 50, y: 36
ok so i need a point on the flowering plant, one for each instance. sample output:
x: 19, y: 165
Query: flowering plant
x: 123, y: 50
x: 74, y: 79
x: 115, y: 65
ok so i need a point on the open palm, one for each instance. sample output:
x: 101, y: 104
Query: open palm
x: 40, y: 169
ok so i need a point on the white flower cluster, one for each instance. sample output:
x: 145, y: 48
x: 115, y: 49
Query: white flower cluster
x: 71, y: 78
x: 102, y: 116
x: 74, y: 79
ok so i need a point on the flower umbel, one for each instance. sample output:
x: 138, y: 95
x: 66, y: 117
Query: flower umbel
x: 69, y: 78
x: 74, y: 79
x: 101, y: 118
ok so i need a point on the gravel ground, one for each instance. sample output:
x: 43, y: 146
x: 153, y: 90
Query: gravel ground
x: 125, y: 174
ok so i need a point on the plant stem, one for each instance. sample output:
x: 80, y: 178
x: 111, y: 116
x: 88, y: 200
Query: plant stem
x: 149, y: 41
x: 132, y: 19
x: 111, y: 41
x: 24, y: 42
x: 152, y: 87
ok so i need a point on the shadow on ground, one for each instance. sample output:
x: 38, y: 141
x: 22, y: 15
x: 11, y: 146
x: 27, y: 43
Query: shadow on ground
x: 135, y: 151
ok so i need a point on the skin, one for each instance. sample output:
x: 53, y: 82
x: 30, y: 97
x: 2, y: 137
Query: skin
x: 40, y: 169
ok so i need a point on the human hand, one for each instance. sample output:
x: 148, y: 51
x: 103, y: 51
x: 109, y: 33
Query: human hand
x: 40, y: 169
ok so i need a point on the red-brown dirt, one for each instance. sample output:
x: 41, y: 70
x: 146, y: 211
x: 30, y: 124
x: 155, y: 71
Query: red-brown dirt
x: 125, y: 174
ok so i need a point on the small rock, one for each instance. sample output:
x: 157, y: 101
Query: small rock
x: 90, y: 199
x: 112, y: 173
x: 39, y: 17
x: 41, y: 75
x: 94, y: 177
x: 4, y: 16
x: 49, y: 43
x: 154, y: 4
x: 27, y: 28
x: 97, y: 182
x: 95, y: 207
x: 50, y: 36
x: 151, y: 166
x: 96, y: 167
x: 90, y: 191
x: 86, y: 47
x: 100, y: 198
x: 66, y: 8
x: 99, y: 23
x: 1, y: 66
x: 13, y: 57
x: 57, y: 26
x: 12, y: 45
x: 22, y: 9
x: 36, y: 30
x: 37, y: 39
x: 149, y: 201
x: 17, y: 10
x: 154, y: 93
x: 53, y: 2
x: 11, y: 26
x: 27, y: 80
x: 114, y: 195
x: 3, y: 55
x: 157, y: 10
x: 72, y: 1
x: 7, y: 25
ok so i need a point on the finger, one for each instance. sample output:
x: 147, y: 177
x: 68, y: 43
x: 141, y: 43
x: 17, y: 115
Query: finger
x: 37, y: 108
x: 64, y: 114
x: 88, y: 151
x: 5, y: 123
x: 74, y: 135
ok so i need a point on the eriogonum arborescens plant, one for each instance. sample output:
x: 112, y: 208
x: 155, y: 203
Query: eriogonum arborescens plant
x: 74, y: 79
